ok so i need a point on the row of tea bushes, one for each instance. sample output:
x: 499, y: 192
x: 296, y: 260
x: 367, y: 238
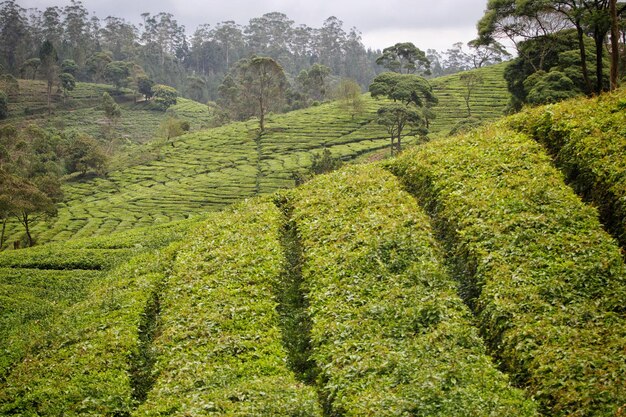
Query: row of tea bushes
x: 219, y: 344
x: 93, y: 360
x: 38, y: 284
x: 588, y: 141
x: 390, y: 336
x: 546, y: 282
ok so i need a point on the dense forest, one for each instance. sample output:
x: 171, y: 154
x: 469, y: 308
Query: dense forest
x: 193, y: 62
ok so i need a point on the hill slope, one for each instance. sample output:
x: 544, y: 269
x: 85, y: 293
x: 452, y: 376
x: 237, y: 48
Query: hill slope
x: 212, y: 168
x: 335, y: 299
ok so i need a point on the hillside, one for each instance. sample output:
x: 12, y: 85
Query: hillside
x: 488, y: 100
x: 210, y: 168
x: 464, y: 277
x: 82, y: 111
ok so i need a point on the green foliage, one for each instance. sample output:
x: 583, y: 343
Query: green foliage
x: 416, y: 96
x: 164, y: 96
x: 405, y: 88
x: 587, y: 141
x: 488, y: 101
x: 543, y: 88
x: 220, y: 293
x: 396, y: 117
x: 87, y: 357
x: 68, y: 82
x: 465, y: 125
x: 349, y: 93
x: 314, y: 82
x: 69, y: 66
x: 117, y: 72
x: 84, y: 153
x: 144, y: 86
x: 390, y: 336
x: 255, y: 87
x: 112, y: 110
x: 546, y: 283
x: 404, y: 58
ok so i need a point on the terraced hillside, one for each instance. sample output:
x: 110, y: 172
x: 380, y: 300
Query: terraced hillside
x: 488, y: 100
x: 208, y: 170
x: 39, y: 284
x: 344, y: 298
x: 82, y: 110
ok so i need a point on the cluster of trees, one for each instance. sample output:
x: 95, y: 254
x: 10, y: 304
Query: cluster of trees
x: 116, y: 51
x: 560, y: 46
x: 32, y: 160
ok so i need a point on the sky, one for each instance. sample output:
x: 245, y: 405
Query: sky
x: 429, y: 24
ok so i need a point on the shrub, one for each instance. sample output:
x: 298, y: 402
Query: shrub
x: 219, y: 347
x: 389, y: 334
x: 546, y: 283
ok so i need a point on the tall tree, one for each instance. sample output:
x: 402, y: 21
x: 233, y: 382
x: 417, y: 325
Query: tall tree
x: 13, y: 35
x: 615, y: 35
x: 413, y: 98
x: 405, y: 58
x: 470, y: 80
x: 49, y: 68
x: 257, y: 86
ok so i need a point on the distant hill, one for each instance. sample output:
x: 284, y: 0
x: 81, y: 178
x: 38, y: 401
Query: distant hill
x: 82, y: 111
x: 487, y: 102
x: 210, y: 169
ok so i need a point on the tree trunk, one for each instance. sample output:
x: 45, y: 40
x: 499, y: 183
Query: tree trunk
x: 583, y: 57
x: 614, y: 45
x: 262, y: 114
x: 49, y: 91
x: 599, y: 39
x: 25, y: 221
x: 4, y: 226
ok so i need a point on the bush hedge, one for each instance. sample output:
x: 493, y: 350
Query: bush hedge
x: 390, y: 336
x: 93, y: 359
x: 588, y: 141
x: 547, y: 284
x: 219, y: 346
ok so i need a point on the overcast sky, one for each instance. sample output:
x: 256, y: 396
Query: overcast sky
x: 435, y: 24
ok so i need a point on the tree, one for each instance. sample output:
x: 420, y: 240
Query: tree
x: 68, y: 66
x: 404, y: 58
x: 412, y: 98
x: 470, y: 80
x: 30, y: 67
x: 13, y: 35
x: 173, y: 127
x: 614, y: 44
x: 96, y: 65
x: 84, y: 153
x: 350, y: 96
x: 29, y: 204
x: 164, y: 96
x: 144, y: 86
x: 4, y: 105
x: 549, y: 87
x: 396, y: 117
x: 256, y: 87
x: 406, y: 88
x: 314, y: 81
x: 111, y: 109
x: 68, y: 83
x: 117, y: 72
x: 49, y: 68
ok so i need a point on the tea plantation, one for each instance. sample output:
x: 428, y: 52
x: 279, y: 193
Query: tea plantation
x: 465, y: 277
